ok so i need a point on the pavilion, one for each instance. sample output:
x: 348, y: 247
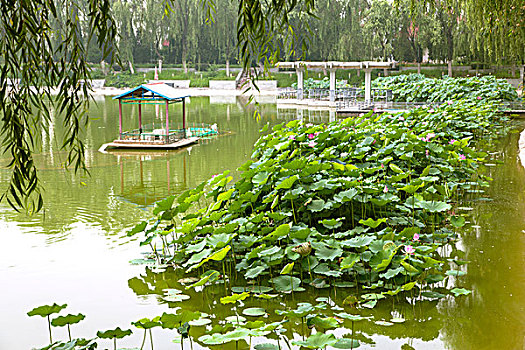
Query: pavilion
x: 145, y: 137
x: 332, y: 67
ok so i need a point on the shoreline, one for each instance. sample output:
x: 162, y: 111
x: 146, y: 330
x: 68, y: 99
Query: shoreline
x: 111, y: 91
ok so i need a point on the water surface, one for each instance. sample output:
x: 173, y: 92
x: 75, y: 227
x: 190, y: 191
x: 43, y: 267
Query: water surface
x: 76, y: 251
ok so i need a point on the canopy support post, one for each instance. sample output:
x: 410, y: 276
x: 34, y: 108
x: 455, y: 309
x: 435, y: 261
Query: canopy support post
x: 140, y: 120
x: 167, y: 123
x: 184, y: 117
x: 120, y: 120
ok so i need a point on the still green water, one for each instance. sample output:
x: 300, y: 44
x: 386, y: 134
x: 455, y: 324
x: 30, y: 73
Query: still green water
x: 76, y: 251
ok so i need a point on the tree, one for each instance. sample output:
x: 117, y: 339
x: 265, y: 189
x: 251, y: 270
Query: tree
x: 380, y: 27
x: 44, y: 37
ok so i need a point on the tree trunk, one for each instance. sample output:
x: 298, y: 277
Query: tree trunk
x: 419, y: 68
x: 131, y: 69
x: 184, y: 66
x: 450, y: 68
x: 522, y: 73
x: 160, y: 66
x: 103, y: 67
x: 227, y: 68
x: 385, y: 72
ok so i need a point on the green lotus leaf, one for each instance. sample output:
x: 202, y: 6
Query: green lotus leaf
x: 146, y: 323
x: 197, y: 247
x: 199, y: 322
x: 345, y: 343
x: 208, y: 276
x: 370, y: 304
x: 235, y: 319
x: 255, y: 271
x: 457, y: 221
x: 324, y: 269
x: 372, y: 223
x: 322, y: 323
x: 114, y: 333
x: 280, y: 231
x: 397, y: 320
x: 254, y: 311
x: 217, y: 256
x: 432, y: 295
x: 322, y: 252
x: 266, y: 346
x: 331, y: 223
x: 220, y: 240
x: 317, y: 205
x: 317, y: 341
x: 172, y: 321
x: 61, y: 321
x: 287, y: 284
x: 353, y: 318
x: 456, y: 273
x: 346, y: 196
x: 460, y: 291
x: 349, y: 261
x: 435, y: 206
x: 254, y: 324
x: 395, y: 168
x: 260, y: 177
x: 357, y: 242
x: 46, y: 310
x: 213, y: 339
x: 384, y: 323
x: 234, y: 298
x: 287, y: 183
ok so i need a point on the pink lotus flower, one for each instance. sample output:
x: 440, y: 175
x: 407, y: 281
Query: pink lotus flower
x: 451, y: 142
x: 401, y: 118
x: 385, y: 190
x: 361, y: 115
x: 426, y: 152
x: 450, y: 102
x: 311, y: 136
x: 382, y: 166
x: 409, y: 249
x: 431, y: 135
x: 312, y: 143
x: 462, y: 157
x: 291, y: 137
x: 416, y: 237
x: 431, y: 110
x: 479, y: 97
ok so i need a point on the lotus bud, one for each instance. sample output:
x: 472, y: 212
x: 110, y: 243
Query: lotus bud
x: 303, y: 249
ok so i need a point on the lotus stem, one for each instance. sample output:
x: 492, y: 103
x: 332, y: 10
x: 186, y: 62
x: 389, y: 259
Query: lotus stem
x: 151, y: 338
x: 191, y: 342
x: 143, y: 340
x: 293, y: 212
x: 352, y: 343
x: 69, y: 332
x: 309, y: 268
x: 49, y: 326
x: 114, y: 343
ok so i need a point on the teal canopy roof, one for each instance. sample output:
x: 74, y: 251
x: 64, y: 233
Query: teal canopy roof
x: 153, y: 91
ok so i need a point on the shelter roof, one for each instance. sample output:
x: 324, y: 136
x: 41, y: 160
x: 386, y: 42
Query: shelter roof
x: 153, y: 91
x: 337, y: 65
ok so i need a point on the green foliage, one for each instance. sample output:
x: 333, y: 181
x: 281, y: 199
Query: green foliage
x: 355, y: 200
x: 42, y: 46
x: 417, y: 88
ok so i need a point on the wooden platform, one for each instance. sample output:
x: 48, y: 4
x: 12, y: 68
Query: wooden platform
x: 118, y: 144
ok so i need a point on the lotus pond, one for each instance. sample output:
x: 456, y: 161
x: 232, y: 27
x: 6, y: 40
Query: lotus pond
x: 400, y: 243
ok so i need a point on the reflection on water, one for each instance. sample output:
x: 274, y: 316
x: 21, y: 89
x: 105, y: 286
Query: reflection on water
x: 76, y: 250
